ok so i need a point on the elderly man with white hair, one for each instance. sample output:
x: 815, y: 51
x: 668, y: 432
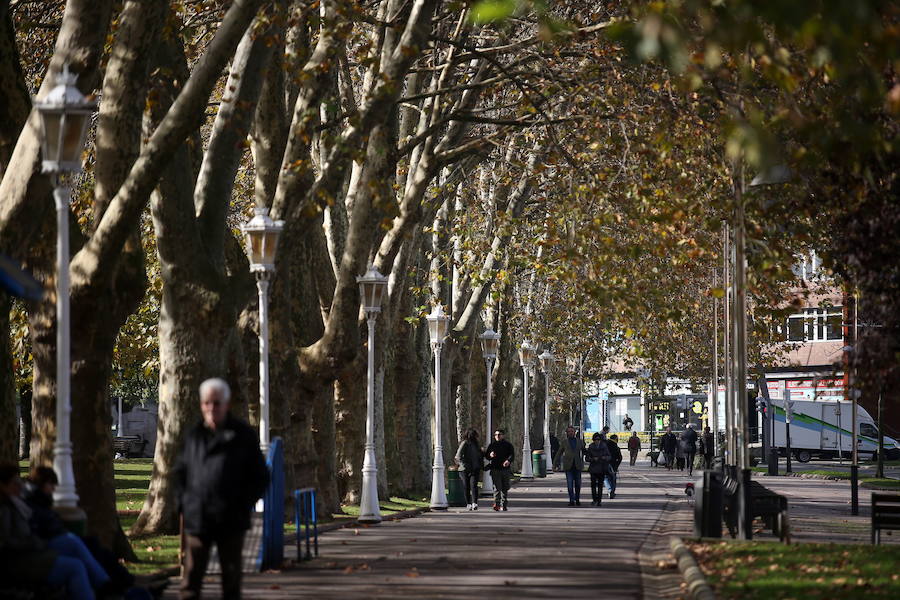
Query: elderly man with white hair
x: 218, y: 477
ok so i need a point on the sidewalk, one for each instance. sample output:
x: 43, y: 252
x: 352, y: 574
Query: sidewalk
x: 541, y: 548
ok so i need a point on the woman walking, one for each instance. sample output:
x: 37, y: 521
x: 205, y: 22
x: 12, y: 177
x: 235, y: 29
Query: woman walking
x: 470, y: 459
x: 598, y: 457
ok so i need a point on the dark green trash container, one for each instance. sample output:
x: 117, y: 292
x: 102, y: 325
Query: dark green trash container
x: 538, y: 464
x: 456, y: 495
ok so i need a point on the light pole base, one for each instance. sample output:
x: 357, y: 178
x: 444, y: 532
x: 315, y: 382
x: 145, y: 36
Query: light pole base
x: 370, y: 519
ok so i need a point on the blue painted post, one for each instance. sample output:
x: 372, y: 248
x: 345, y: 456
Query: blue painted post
x: 272, y: 550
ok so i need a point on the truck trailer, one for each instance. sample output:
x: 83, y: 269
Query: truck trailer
x: 823, y: 429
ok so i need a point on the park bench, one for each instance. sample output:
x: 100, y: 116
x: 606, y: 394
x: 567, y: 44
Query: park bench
x: 771, y: 507
x: 129, y: 446
x: 885, y: 514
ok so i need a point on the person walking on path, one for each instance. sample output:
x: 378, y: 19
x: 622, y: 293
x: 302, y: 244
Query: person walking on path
x: 707, y: 448
x: 500, y: 454
x: 615, y: 460
x: 571, y: 459
x: 679, y: 453
x: 598, y: 458
x: 627, y: 422
x: 634, y: 446
x: 470, y: 459
x: 689, y: 447
x: 668, y: 443
x: 218, y: 477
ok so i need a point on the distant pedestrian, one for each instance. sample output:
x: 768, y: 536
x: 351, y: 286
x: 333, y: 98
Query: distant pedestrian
x: 218, y: 477
x: 707, y: 448
x: 689, y: 446
x: 614, y: 462
x: 598, y: 458
x: 470, y: 459
x: 554, y: 445
x: 571, y: 460
x: 627, y: 422
x: 668, y: 444
x: 634, y: 446
x: 679, y: 454
x: 500, y: 454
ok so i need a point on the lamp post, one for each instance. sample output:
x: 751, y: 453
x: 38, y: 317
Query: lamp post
x: 371, y: 289
x: 546, y: 359
x: 437, y: 331
x: 526, y: 359
x: 490, y: 341
x: 261, y: 233
x: 65, y: 114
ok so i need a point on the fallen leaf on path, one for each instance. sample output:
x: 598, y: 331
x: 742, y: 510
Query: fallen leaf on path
x: 412, y: 573
x: 356, y: 532
x: 508, y: 582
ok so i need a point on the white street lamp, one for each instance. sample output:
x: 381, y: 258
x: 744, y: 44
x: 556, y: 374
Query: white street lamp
x: 526, y: 359
x: 547, y: 359
x: 65, y: 114
x: 490, y: 342
x: 371, y: 288
x: 262, y: 234
x: 437, y: 331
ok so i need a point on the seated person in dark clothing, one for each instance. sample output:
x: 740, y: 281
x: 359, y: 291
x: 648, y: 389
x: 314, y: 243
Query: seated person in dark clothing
x: 46, y: 524
x: 26, y: 559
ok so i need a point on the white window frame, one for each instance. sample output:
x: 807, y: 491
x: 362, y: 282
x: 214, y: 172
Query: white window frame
x: 815, y: 325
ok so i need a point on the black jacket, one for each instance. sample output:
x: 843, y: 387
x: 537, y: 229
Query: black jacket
x: 598, y: 457
x: 503, y: 451
x: 45, y: 522
x: 218, y: 477
x: 615, y: 453
x: 689, y: 441
x: 668, y: 443
x: 469, y: 457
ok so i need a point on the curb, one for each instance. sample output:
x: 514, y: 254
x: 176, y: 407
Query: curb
x: 697, y: 586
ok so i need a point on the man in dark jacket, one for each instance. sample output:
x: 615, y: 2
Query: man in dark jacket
x: 500, y: 453
x: 570, y: 460
x: 707, y: 448
x: 689, y: 446
x: 668, y: 443
x: 615, y: 460
x: 218, y: 478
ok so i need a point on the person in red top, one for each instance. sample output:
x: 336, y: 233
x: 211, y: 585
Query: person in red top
x: 634, y: 446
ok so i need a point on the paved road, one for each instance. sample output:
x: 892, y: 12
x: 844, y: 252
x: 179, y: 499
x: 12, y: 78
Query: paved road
x: 541, y: 548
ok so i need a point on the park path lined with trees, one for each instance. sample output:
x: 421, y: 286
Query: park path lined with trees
x: 539, y: 549
x: 559, y: 173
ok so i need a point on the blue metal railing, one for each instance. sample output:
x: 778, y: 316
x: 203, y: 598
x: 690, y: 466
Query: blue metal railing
x: 305, y: 518
x: 271, y: 554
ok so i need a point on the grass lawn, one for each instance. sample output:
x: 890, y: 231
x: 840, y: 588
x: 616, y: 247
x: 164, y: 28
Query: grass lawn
x: 764, y: 570
x: 866, y: 481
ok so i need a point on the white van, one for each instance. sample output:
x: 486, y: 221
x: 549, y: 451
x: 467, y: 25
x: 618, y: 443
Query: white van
x: 822, y: 428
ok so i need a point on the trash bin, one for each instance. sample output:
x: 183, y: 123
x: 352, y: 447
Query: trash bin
x: 538, y: 464
x: 708, y: 493
x: 456, y: 495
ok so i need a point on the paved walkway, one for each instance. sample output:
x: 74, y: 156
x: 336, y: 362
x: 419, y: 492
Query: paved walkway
x: 541, y: 548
